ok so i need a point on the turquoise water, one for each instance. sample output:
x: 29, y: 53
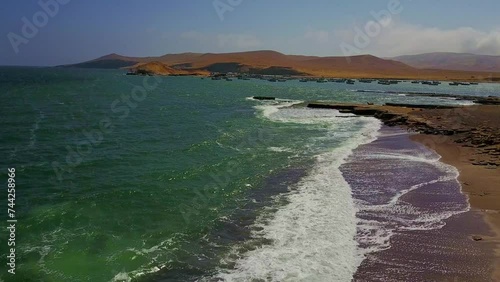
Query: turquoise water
x: 165, y: 178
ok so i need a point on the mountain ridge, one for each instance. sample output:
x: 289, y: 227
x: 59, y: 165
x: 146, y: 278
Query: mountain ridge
x: 273, y: 62
x: 452, y: 61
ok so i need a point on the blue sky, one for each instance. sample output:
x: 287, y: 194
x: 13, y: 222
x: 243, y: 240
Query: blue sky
x: 83, y: 30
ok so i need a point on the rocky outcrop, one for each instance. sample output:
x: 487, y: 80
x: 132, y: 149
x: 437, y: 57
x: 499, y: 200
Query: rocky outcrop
x: 157, y: 68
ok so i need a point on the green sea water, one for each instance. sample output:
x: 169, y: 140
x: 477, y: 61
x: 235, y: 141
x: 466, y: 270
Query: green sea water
x: 157, y: 178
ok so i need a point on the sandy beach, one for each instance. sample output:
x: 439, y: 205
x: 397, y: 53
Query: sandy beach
x: 479, y: 182
x: 477, y: 162
x: 478, y: 166
x: 467, y: 138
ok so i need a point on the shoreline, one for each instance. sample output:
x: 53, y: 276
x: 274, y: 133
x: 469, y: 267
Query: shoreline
x: 476, y: 183
x: 419, y: 242
x: 466, y: 137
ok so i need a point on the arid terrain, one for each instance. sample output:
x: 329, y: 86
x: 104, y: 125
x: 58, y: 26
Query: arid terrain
x: 452, y: 61
x: 275, y: 63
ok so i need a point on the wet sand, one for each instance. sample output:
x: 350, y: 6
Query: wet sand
x: 431, y: 225
x: 474, y: 149
x: 481, y: 183
x: 446, y: 254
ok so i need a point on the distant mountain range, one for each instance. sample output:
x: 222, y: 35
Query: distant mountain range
x: 452, y: 61
x: 427, y: 66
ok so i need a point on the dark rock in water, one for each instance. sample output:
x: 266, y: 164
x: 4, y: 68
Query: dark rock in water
x: 477, y: 238
x: 264, y: 98
x: 487, y: 101
x: 345, y: 111
x: 365, y: 112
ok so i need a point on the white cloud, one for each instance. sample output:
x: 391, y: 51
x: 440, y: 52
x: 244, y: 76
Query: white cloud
x: 397, y: 38
x: 400, y: 38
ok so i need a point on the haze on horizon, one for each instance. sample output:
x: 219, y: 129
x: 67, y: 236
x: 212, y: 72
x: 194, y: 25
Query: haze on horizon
x: 83, y: 30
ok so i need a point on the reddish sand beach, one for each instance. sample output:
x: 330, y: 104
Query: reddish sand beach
x: 467, y: 138
x: 477, y: 163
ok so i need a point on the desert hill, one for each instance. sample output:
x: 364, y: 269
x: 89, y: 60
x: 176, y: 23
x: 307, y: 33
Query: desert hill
x: 275, y: 63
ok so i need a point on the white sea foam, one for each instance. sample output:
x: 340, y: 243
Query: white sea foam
x: 465, y: 103
x: 34, y: 129
x: 280, y: 149
x: 121, y: 277
x: 396, y: 214
x: 312, y: 236
x: 166, y: 246
x: 270, y: 107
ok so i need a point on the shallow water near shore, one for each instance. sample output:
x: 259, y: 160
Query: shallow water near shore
x: 200, y: 182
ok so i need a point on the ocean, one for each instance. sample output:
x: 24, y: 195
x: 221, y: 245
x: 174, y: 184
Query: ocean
x: 129, y: 178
